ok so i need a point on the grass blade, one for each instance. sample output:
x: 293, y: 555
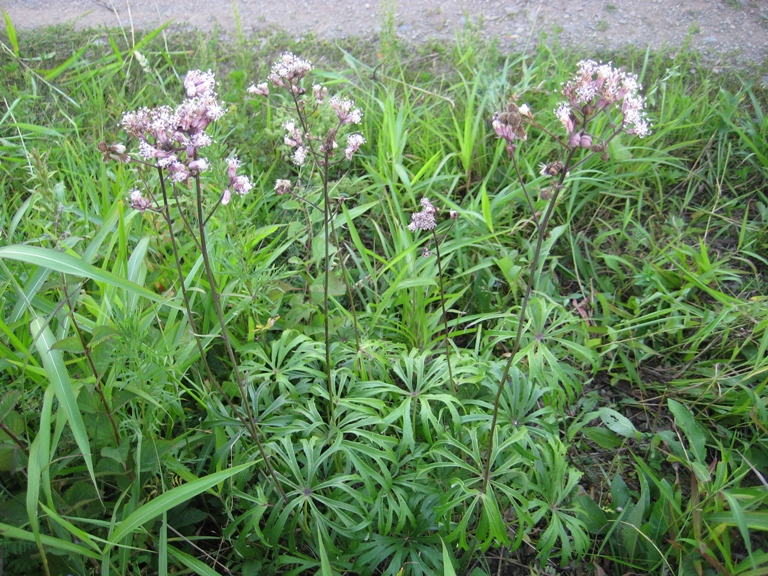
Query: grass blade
x: 67, y: 264
x: 168, y: 500
x: 53, y: 362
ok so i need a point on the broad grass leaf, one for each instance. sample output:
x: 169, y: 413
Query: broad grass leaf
x: 53, y: 362
x: 168, y: 500
x: 68, y: 264
x: 48, y: 541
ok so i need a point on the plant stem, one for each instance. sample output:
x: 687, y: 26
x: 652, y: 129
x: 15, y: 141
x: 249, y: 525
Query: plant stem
x: 541, y: 228
x: 445, y: 314
x: 252, y: 425
x: 187, y: 304
x: 16, y: 440
x: 96, y: 375
x: 326, y: 276
x: 350, y: 295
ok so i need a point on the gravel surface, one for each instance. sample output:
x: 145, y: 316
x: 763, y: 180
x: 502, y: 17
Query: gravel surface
x: 728, y: 32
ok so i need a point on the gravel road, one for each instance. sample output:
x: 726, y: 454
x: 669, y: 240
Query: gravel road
x: 728, y: 32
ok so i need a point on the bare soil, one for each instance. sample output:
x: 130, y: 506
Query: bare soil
x: 727, y: 32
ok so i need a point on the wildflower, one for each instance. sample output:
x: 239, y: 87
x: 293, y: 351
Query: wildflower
x: 294, y: 137
x: 596, y: 87
x: 289, y: 68
x: 300, y: 155
x: 354, y: 141
x: 240, y: 185
x: 319, y: 93
x: 261, y: 89
x: 508, y: 125
x: 232, y: 166
x: 198, y: 83
x: 565, y: 115
x: 113, y: 152
x: 425, y: 219
x: 283, y: 187
x: 345, y: 110
x: 199, y: 165
x: 178, y: 172
x: 453, y: 214
x: 552, y: 169
x: 138, y: 202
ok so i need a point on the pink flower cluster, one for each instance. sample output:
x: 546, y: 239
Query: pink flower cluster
x: 173, y: 137
x: 425, y: 219
x: 594, y: 88
x: 288, y: 73
x: 240, y: 185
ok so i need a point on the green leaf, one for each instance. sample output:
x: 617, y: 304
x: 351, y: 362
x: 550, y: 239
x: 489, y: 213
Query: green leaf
x: 602, y: 437
x: 447, y: 563
x: 325, y: 564
x: 740, y: 518
x: 697, y: 437
x: 47, y: 541
x: 58, y: 377
x: 67, y: 264
x: 8, y: 403
x: 191, y: 562
x: 618, y: 423
x: 71, y: 345
x: 168, y: 500
x: 10, y: 30
x: 486, y: 205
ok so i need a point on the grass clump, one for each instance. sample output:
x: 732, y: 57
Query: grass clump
x: 558, y: 361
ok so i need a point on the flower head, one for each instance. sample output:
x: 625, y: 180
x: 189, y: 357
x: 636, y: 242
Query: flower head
x: 198, y: 83
x: 319, y: 92
x: 300, y: 156
x: 240, y: 185
x: 261, y: 89
x: 138, y: 202
x: 283, y: 186
x: 288, y: 70
x: 596, y: 87
x: 425, y: 219
x: 294, y: 136
x: 354, y: 141
x: 345, y: 110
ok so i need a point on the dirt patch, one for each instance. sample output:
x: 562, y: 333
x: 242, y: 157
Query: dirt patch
x: 729, y: 32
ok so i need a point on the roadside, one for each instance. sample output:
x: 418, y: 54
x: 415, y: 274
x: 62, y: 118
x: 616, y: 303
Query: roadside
x: 727, y: 32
